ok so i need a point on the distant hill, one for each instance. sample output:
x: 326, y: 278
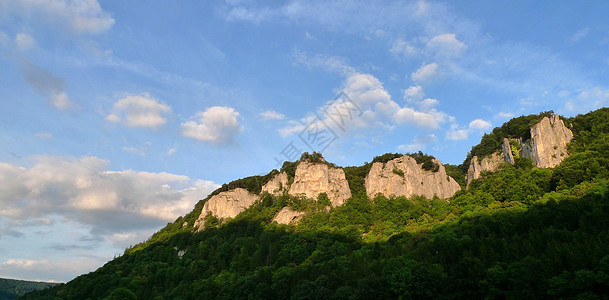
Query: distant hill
x: 11, y: 288
x: 531, y: 222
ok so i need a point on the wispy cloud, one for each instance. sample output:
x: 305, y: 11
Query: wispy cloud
x: 271, y: 115
x: 79, y: 17
x: 580, y: 34
x: 425, y: 72
x: 419, y: 143
x: 47, y: 85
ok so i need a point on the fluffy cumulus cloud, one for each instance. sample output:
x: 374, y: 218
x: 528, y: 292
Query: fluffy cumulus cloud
x: 414, y: 95
x: 78, y: 16
x: 271, y: 115
x: 446, y: 44
x: 216, y: 125
x: 366, y: 103
x: 425, y: 72
x: 85, y: 191
x: 457, y: 133
x: 139, y: 111
x: 47, y: 85
x: 479, y: 124
x: 425, y: 119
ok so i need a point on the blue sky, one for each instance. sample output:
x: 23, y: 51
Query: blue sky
x: 117, y: 116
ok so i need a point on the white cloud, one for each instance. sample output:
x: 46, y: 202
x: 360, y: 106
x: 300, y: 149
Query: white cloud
x: 216, y: 125
x: 61, y: 100
x: 419, y: 143
x: 79, y: 16
x: 430, y: 119
x: 365, y: 89
x: 329, y: 63
x: 425, y: 72
x: 370, y: 105
x: 457, y: 134
x: 84, y: 191
x: 414, y: 96
x: 413, y: 93
x: 141, y: 151
x: 503, y: 115
x: 139, y: 111
x: 25, y: 41
x: 47, y: 85
x: 401, y: 47
x: 446, y: 44
x: 479, y: 124
x: 271, y: 115
x: 293, y: 126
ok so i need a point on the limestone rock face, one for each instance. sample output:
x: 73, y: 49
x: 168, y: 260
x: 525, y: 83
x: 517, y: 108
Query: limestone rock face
x: 288, y: 216
x: 507, y: 151
x: 404, y: 177
x: 311, y: 179
x: 490, y: 163
x: 547, y: 148
x: 227, y: 204
x: 549, y: 139
x: 277, y: 185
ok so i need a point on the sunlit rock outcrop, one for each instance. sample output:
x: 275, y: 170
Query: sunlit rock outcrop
x: 277, y: 185
x: 549, y: 139
x: 312, y: 179
x: 547, y: 148
x: 404, y: 177
x: 227, y: 204
x: 288, y: 216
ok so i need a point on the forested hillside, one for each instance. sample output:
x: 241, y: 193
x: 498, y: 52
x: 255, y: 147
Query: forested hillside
x: 520, y: 232
x: 12, y: 288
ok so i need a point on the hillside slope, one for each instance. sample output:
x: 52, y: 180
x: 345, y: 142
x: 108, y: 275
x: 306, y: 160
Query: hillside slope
x: 518, y: 232
x: 12, y: 288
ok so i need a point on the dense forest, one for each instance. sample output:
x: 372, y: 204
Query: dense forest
x: 12, y: 288
x: 518, y: 233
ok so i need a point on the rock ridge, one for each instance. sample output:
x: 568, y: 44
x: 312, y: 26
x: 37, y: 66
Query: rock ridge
x: 547, y: 148
x: 402, y: 176
x: 312, y: 179
x: 226, y: 204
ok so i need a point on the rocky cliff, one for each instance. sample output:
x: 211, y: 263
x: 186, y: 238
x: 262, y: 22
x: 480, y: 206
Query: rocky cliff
x: 312, y: 179
x: 404, y: 177
x: 547, y: 148
x: 486, y: 164
x: 226, y: 204
x: 277, y: 185
x: 398, y: 177
x: 288, y: 216
x: 549, y: 139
